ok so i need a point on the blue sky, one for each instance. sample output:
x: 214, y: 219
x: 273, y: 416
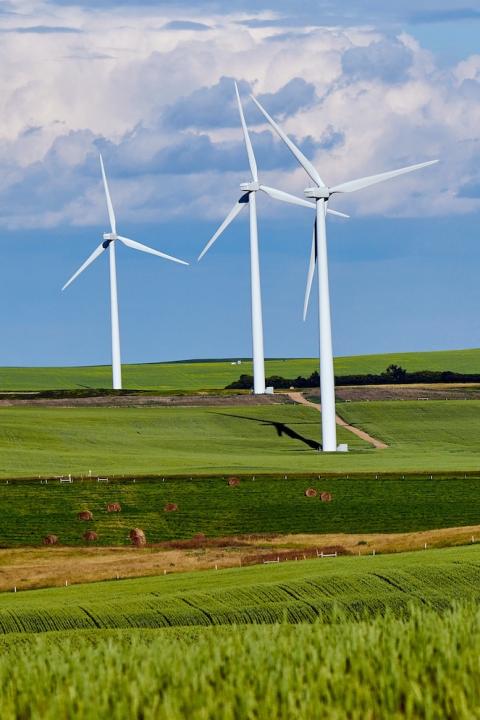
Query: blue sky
x: 151, y: 87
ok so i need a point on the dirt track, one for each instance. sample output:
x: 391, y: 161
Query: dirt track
x: 298, y: 397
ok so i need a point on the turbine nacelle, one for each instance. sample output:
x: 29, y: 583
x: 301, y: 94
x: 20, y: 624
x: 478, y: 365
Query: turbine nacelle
x: 319, y: 193
x: 250, y: 186
x: 108, y: 238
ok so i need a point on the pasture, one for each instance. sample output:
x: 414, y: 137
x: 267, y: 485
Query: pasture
x: 426, y: 437
x: 209, y: 506
x: 297, y: 592
x: 216, y: 374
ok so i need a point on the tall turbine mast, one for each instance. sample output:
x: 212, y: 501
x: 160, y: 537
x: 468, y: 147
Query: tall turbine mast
x: 109, y: 240
x: 321, y: 195
x: 248, y: 197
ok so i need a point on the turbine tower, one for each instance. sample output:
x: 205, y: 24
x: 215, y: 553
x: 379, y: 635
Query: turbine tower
x: 109, y: 240
x: 321, y: 194
x: 248, y: 197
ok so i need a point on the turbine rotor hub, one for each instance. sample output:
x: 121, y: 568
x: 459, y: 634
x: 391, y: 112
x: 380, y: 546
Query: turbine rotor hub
x: 318, y: 193
x: 108, y: 238
x: 250, y: 186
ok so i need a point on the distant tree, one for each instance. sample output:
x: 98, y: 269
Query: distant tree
x: 395, y: 373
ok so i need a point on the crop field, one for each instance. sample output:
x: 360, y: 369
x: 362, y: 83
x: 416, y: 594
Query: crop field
x: 205, y: 375
x: 209, y: 506
x: 281, y: 439
x: 424, y: 665
x: 360, y: 587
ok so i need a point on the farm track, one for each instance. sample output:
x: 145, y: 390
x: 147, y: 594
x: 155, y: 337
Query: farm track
x: 378, y: 444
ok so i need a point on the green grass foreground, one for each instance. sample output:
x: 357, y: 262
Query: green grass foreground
x: 217, y: 374
x: 425, y: 666
x: 266, y: 505
x: 433, y: 436
x: 296, y: 592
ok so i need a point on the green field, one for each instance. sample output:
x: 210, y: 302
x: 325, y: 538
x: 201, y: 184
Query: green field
x: 422, y: 667
x: 192, y: 376
x: 424, y: 437
x: 295, y: 591
x: 359, y: 637
x: 210, y: 506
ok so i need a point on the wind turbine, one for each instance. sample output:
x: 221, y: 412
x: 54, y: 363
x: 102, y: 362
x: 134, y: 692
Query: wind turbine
x: 321, y: 194
x: 109, y: 240
x: 248, y: 197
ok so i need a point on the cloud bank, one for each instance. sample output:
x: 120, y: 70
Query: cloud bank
x: 152, y: 89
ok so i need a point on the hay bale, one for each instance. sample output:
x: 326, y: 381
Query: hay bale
x: 50, y: 540
x: 90, y: 536
x: 170, y: 507
x: 326, y: 497
x: 137, y: 537
x: 233, y: 481
x: 310, y: 492
x: 114, y: 507
x: 85, y: 515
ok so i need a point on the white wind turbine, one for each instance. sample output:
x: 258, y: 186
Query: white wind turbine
x: 109, y: 240
x: 321, y: 194
x: 248, y: 197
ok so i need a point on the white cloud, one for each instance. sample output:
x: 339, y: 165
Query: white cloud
x: 65, y: 94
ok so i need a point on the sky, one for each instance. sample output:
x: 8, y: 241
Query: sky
x: 361, y: 87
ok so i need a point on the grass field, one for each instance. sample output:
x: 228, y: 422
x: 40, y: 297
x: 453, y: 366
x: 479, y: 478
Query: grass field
x: 293, y: 591
x: 217, y: 374
x: 423, y: 437
x: 423, y: 667
x: 209, y: 506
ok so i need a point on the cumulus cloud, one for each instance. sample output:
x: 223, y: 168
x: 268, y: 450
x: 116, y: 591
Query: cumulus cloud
x: 153, y: 90
x: 386, y: 60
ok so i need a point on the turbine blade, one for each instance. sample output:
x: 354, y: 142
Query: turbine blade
x: 304, y: 162
x: 361, y: 183
x: 98, y: 251
x: 239, y: 205
x: 337, y: 213
x: 111, y: 213
x: 144, y: 248
x: 250, y: 153
x: 311, y: 270
x: 286, y: 197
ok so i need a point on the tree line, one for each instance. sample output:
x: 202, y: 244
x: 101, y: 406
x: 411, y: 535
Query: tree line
x: 393, y: 375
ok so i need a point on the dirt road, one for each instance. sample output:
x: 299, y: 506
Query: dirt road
x: 298, y: 398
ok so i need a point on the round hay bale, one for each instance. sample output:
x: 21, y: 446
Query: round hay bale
x: 310, y: 492
x: 50, y: 540
x: 233, y: 481
x: 326, y: 497
x: 114, y: 507
x: 170, y: 507
x: 85, y: 515
x: 90, y: 536
x: 137, y: 537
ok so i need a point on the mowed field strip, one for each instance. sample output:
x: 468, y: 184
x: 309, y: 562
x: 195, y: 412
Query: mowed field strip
x: 31, y: 511
x: 206, y: 375
x: 296, y: 592
x: 433, y: 436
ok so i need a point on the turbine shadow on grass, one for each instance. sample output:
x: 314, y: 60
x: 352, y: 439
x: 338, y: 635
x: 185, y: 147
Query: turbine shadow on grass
x: 280, y: 427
